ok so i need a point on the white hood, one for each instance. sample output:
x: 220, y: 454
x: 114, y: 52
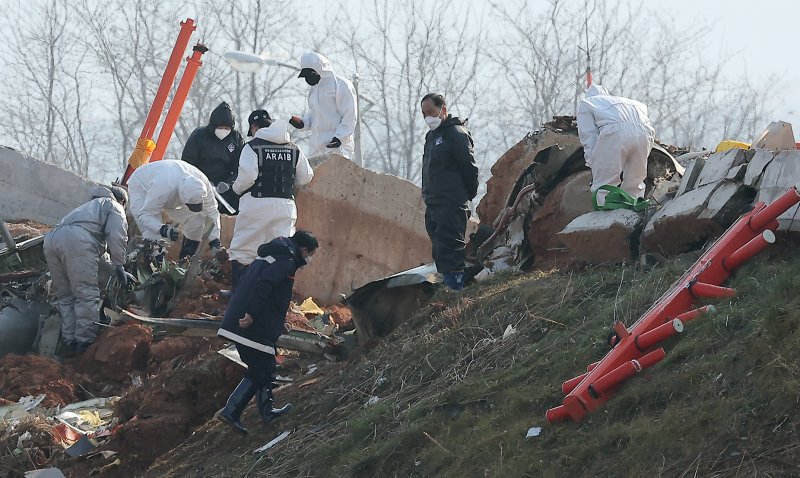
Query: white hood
x: 596, y: 90
x: 277, y: 132
x: 316, y: 62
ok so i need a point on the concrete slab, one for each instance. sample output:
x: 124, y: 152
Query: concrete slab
x: 602, y: 236
x: 369, y: 225
x: 693, y: 170
x: 569, y: 200
x: 729, y: 201
x: 35, y: 190
x: 717, y: 166
x: 676, y: 227
x: 756, y: 167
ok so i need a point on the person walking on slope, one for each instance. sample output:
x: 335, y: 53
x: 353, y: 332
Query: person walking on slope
x: 214, y: 150
x: 332, y: 108
x: 184, y: 193
x: 617, y: 137
x: 73, y: 252
x: 270, y: 167
x: 449, y: 182
x: 256, y: 317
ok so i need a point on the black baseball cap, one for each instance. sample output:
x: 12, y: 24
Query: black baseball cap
x: 306, y: 72
x: 260, y: 118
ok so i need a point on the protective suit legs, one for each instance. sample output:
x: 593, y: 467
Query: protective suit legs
x: 73, y: 257
x: 621, y: 151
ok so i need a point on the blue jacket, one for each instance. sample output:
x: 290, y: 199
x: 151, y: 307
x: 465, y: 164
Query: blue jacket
x: 264, y: 292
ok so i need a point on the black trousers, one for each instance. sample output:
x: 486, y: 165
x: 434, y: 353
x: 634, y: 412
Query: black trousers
x: 260, y: 365
x: 446, y: 225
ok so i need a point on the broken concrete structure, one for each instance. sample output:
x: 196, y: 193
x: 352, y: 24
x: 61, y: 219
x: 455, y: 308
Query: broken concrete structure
x: 369, y: 225
x: 602, y: 237
x: 28, y: 189
x: 546, y: 177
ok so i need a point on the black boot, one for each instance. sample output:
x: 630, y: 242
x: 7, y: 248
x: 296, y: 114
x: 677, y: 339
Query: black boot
x: 237, y: 402
x: 265, y: 401
x: 188, y: 248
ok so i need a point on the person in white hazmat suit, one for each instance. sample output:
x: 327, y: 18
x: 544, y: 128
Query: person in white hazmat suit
x: 185, y: 194
x: 617, y: 138
x: 74, y: 250
x: 270, y: 167
x: 332, y: 108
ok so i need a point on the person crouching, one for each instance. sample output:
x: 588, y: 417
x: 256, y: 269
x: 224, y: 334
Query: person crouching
x: 256, y: 317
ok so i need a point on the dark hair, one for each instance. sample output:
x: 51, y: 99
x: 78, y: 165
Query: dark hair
x: 305, y: 239
x: 437, y: 98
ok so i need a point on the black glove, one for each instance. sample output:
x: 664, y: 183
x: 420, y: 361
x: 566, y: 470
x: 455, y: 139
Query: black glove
x: 169, y: 232
x: 297, y: 122
x: 335, y: 143
x: 215, y: 244
x: 124, y: 277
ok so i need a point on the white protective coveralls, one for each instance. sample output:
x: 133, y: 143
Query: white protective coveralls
x: 261, y: 220
x: 617, y: 138
x: 332, y: 108
x: 73, y: 252
x: 168, y: 185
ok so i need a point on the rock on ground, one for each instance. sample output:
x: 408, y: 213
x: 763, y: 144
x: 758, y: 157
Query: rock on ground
x: 603, y: 236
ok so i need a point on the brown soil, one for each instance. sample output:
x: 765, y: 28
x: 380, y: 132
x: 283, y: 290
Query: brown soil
x: 298, y: 321
x: 23, y: 375
x: 341, y: 316
x: 174, y: 351
x: 23, y: 230
x: 117, y: 352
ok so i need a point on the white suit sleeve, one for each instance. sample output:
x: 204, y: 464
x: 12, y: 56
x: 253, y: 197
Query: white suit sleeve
x: 307, y: 118
x: 248, y: 170
x: 303, y: 172
x: 346, y: 104
x: 149, y: 216
x: 587, y: 130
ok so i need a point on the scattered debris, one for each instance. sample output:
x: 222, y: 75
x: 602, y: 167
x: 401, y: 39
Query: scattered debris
x: 272, y: 442
x: 533, y: 432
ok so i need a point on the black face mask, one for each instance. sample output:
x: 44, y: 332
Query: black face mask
x: 312, y: 79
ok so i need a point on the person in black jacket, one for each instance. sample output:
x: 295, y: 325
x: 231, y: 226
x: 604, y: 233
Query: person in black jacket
x: 256, y: 317
x: 449, y: 182
x: 214, y: 149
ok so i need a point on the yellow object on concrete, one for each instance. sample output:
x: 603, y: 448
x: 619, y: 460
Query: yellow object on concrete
x: 730, y: 144
x: 310, y: 307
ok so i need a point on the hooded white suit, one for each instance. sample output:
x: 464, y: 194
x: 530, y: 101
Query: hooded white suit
x: 262, y: 219
x: 617, y: 138
x: 168, y: 185
x: 332, y: 108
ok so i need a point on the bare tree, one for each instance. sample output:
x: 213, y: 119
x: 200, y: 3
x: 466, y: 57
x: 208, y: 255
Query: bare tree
x: 635, y: 53
x: 402, y: 51
x: 48, y: 112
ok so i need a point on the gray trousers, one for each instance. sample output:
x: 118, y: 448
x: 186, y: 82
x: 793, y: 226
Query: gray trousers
x: 73, y: 257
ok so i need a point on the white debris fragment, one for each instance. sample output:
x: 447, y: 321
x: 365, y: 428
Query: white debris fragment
x: 510, y: 330
x: 372, y: 401
x: 272, y: 442
x: 533, y: 432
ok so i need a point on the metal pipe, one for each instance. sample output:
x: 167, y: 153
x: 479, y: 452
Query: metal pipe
x: 570, y: 384
x: 747, y: 251
x: 624, y: 372
x: 557, y: 414
x: 187, y: 28
x: 659, y: 334
x: 761, y: 219
x: 695, y: 313
x: 701, y: 289
x: 5, y: 234
x: 193, y: 64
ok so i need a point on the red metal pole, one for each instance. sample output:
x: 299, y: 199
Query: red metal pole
x: 762, y: 218
x: 744, y: 253
x: 570, y: 384
x: 143, y: 149
x: 659, y: 334
x: 701, y: 289
x: 193, y: 64
x: 624, y: 372
x: 695, y: 313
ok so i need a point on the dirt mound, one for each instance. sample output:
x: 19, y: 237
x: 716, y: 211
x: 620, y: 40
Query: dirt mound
x: 23, y: 375
x: 117, y: 352
x: 162, y: 413
x: 341, y: 316
x: 183, y: 348
x: 23, y: 230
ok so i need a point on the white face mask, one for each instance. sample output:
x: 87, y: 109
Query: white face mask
x: 308, y: 260
x: 222, y: 133
x: 433, y: 122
